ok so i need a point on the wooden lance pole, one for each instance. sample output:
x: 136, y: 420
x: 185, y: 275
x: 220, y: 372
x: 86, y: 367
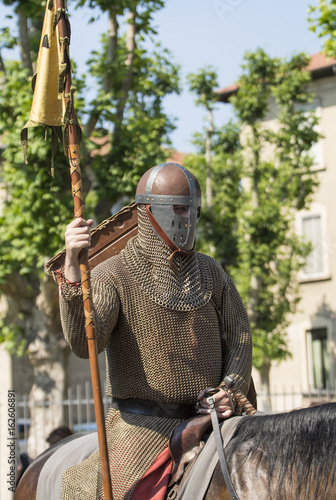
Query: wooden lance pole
x: 76, y: 184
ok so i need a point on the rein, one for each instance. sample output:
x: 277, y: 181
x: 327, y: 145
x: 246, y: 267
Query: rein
x: 244, y: 403
x: 219, y: 444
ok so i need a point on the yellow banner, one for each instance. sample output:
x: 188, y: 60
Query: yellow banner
x: 48, y: 107
x: 47, y: 104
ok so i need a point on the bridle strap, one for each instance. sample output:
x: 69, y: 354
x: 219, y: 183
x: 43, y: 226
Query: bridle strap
x: 220, y: 447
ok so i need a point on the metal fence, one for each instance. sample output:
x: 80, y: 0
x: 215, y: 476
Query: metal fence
x: 287, y: 399
x: 77, y: 410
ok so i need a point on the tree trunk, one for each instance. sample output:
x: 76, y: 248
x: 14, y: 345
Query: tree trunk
x: 253, y: 299
x: 103, y: 209
x: 110, y: 58
x: 46, y: 410
x: 256, y: 281
x: 2, y: 74
x: 47, y: 351
x: 265, y: 384
x: 126, y: 85
x: 112, y: 46
x: 24, y: 42
x: 92, y: 122
x: 208, y: 189
x: 48, y: 354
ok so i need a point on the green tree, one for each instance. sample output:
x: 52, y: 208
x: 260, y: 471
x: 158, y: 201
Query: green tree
x: 202, y: 84
x: 218, y: 166
x: 132, y: 75
x: 322, y: 19
x: 270, y: 176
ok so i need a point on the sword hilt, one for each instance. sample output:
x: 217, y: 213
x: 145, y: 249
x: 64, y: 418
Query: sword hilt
x: 242, y: 400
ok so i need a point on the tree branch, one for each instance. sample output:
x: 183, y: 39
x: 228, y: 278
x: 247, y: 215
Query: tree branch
x: 112, y: 46
x: 110, y: 58
x: 210, y: 132
x: 3, y: 78
x: 126, y: 85
x: 24, y: 42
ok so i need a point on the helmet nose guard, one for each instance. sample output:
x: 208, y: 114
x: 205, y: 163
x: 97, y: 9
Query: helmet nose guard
x: 160, y: 189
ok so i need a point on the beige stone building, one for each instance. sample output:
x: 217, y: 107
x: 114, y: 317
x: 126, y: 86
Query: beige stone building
x: 312, y: 332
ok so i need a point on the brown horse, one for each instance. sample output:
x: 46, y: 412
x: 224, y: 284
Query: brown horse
x: 285, y: 456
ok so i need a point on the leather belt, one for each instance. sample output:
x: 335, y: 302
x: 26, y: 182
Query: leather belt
x: 153, y: 408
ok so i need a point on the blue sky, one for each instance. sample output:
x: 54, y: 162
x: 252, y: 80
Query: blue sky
x: 216, y: 33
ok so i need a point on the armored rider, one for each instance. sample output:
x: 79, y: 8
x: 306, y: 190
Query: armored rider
x: 171, y: 323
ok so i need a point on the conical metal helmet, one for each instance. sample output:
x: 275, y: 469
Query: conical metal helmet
x: 172, y: 196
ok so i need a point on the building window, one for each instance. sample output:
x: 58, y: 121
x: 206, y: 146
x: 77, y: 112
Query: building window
x: 312, y: 230
x: 318, y: 358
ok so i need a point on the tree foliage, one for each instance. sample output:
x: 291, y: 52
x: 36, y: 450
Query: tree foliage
x: 217, y: 230
x: 322, y: 19
x: 125, y: 130
x: 202, y: 84
x: 132, y: 75
x: 262, y: 175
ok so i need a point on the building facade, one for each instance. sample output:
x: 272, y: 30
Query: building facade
x: 312, y: 331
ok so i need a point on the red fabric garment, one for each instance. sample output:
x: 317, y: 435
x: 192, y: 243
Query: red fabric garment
x: 153, y: 484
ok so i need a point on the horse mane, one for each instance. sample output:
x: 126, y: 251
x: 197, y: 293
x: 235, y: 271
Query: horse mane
x: 297, y: 449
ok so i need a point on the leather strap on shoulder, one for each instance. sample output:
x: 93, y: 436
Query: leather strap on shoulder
x: 170, y: 244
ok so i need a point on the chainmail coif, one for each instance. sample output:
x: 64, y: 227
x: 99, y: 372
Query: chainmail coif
x: 185, y: 288
x: 167, y: 336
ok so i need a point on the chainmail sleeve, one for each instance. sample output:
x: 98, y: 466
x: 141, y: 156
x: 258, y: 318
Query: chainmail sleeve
x: 237, y: 352
x: 106, y: 310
